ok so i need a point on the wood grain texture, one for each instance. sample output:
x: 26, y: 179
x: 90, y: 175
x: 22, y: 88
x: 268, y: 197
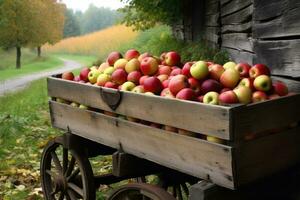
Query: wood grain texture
x: 243, y: 15
x: 268, y: 155
x: 237, y: 28
x: 212, y: 34
x: 240, y: 41
x: 186, y: 154
x: 212, y: 20
x: 240, y: 56
x: 282, y: 56
x: 234, y: 6
x: 186, y: 115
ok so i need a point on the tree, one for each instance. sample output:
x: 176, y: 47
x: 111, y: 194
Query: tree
x: 71, y: 27
x: 142, y: 14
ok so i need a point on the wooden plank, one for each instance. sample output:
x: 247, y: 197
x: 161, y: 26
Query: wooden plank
x: 186, y: 115
x: 265, y: 116
x: 186, y: 154
x: 212, y: 20
x: 212, y: 34
x: 293, y: 85
x: 223, y: 2
x: 237, y: 28
x: 268, y: 155
x: 240, y: 56
x: 282, y: 56
x: 240, y: 41
x: 211, y: 7
x: 241, y: 16
x: 234, y: 6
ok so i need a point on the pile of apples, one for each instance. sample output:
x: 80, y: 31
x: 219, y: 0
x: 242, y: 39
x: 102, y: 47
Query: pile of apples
x: 201, y: 81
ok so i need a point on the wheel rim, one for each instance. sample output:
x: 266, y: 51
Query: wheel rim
x: 66, y: 174
x: 140, y: 191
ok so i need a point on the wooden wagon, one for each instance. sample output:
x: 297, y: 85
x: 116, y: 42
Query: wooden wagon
x: 257, y: 141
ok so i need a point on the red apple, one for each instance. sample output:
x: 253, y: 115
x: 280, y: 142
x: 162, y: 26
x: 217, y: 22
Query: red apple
x: 142, y: 79
x: 144, y: 55
x: 230, y: 78
x: 262, y: 83
x: 215, y: 71
x: 210, y: 85
x: 163, y: 77
x: 186, y: 69
x: 243, y: 69
x: 76, y: 79
x: 102, y: 79
x: 228, y: 97
x: 149, y: 66
x: 172, y: 58
x: 280, y: 88
x: 134, y: 77
x: 138, y: 89
x: 68, y: 76
x: 132, y: 53
x: 110, y: 84
x: 247, y: 82
x: 163, y: 69
x: 119, y: 76
x: 175, y: 72
x: 177, y: 83
x: 113, y: 57
x: 225, y: 90
x: 209, y: 63
x: 167, y: 93
x: 165, y: 83
x: 194, y: 83
x: 186, y: 94
x: 259, y: 96
x: 153, y: 84
x: 259, y: 69
x: 200, y: 98
x: 84, y: 74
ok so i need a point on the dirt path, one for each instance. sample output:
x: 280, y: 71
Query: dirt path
x: 12, y: 85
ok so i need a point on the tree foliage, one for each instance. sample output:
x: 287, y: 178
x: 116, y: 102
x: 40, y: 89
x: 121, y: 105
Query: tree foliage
x: 71, y: 27
x: 142, y: 14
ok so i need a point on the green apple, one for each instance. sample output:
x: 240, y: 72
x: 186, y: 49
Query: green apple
x: 263, y: 83
x: 211, y: 98
x: 199, y: 70
x: 93, y: 68
x: 244, y: 94
x: 74, y: 104
x: 132, y: 65
x: 127, y: 86
x: 103, y: 66
x: 109, y: 70
x: 229, y: 65
x: 102, y: 79
x: 83, y: 107
x: 138, y: 89
x: 93, y: 75
x: 59, y: 100
x: 214, y: 139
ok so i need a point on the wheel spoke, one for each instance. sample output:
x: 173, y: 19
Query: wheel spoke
x: 179, y: 192
x: 71, y: 195
x: 75, y: 173
x: 71, y: 167
x: 76, y: 189
x: 185, y: 189
x: 51, y: 173
x: 56, y: 161
x: 65, y: 160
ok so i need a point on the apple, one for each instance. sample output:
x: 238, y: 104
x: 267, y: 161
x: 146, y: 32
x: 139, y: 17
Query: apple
x: 110, y: 113
x: 102, y: 79
x: 244, y: 94
x: 175, y: 72
x: 131, y: 54
x: 138, y: 89
x: 230, y: 78
x: 132, y: 65
x: 243, y: 69
x: 262, y: 83
x: 200, y: 98
x: 132, y: 119
x: 186, y: 94
x: 273, y: 96
x: 120, y: 64
x: 68, y: 76
x: 155, y: 125
x: 187, y: 133
x: 163, y: 56
x: 163, y: 77
x: 83, y: 107
x: 84, y: 73
x: 134, y: 77
x: 229, y: 65
x: 259, y: 96
x: 172, y: 58
x: 93, y: 75
x: 259, y: 69
x: 167, y: 93
x: 225, y: 90
x: 110, y: 84
x: 109, y: 70
x: 153, y: 84
x: 215, y: 71
x: 149, y: 66
x: 211, y: 98
x: 59, y: 100
x: 199, y: 70
x: 149, y: 93
x: 142, y: 79
x: 170, y: 128
x: 210, y: 85
x: 228, y: 97
x: 119, y: 76
x: 93, y: 68
x: 215, y: 140
x: 76, y: 79
x: 164, y: 69
x: 74, y: 104
x: 186, y: 69
x: 280, y: 88
x: 144, y: 55
x: 103, y: 66
x: 165, y: 83
x: 194, y: 83
x: 209, y: 63
x: 113, y: 57
x: 127, y: 86
x: 247, y: 82
x: 177, y: 83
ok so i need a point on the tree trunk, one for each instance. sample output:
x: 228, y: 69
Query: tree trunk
x: 18, y: 61
x: 39, y: 51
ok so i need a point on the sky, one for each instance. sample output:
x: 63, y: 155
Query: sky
x: 84, y: 4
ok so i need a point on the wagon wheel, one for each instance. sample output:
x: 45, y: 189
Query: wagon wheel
x: 176, y: 184
x: 140, y: 191
x: 66, y: 174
